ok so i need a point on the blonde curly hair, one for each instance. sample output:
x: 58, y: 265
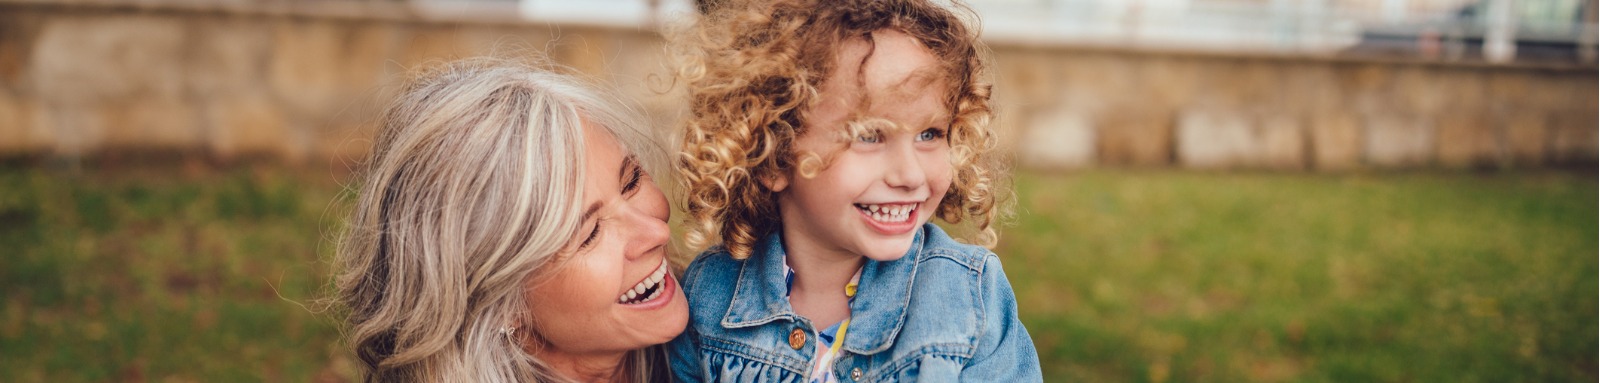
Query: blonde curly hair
x: 754, y: 67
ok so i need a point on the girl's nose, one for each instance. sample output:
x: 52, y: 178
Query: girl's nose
x: 904, y: 168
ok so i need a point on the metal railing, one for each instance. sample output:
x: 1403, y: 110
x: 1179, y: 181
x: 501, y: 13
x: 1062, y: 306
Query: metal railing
x: 1487, y: 30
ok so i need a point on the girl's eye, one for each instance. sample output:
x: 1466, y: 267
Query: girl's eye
x: 871, y: 137
x: 930, y: 134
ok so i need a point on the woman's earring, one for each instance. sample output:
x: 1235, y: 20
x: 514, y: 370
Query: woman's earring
x: 508, y: 331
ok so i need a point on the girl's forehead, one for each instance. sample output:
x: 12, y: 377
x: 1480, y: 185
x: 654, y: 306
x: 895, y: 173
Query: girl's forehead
x: 891, y: 76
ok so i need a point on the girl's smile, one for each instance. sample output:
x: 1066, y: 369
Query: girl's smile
x: 891, y: 218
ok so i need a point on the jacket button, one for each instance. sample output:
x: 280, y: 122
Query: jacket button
x: 855, y: 374
x: 797, y: 338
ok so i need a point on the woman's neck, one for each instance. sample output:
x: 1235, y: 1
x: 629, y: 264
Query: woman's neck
x: 584, y: 368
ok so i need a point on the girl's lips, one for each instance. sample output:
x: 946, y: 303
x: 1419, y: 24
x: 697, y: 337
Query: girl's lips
x: 893, y: 228
x: 669, y: 291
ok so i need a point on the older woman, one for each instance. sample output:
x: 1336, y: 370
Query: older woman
x: 507, y: 230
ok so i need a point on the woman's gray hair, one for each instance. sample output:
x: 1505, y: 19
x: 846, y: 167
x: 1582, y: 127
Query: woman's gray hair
x: 474, y: 185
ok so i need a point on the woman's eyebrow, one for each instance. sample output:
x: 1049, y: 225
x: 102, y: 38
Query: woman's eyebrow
x: 628, y: 164
x: 589, y: 213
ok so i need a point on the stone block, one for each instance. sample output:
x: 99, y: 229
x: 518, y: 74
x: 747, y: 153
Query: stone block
x: 1282, y: 142
x: 1366, y: 87
x: 249, y: 126
x: 1526, y: 136
x: 1169, y: 82
x: 19, y: 132
x: 346, y: 144
x: 1418, y: 90
x: 229, y: 55
x: 1462, y: 89
x: 425, y: 45
x: 19, y: 31
x: 1213, y: 139
x: 78, y: 130
x: 1574, y: 138
x: 1026, y: 76
x: 1242, y: 83
x: 1059, y: 138
x: 589, y: 54
x: 1135, y: 137
x: 1336, y: 139
x: 152, y: 123
x: 1098, y: 80
x: 319, y: 66
x: 1467, y: 139
x: 1511, y: 89
x: 1310, y: 87
x: 1394, y: 141
x: 89, y: 59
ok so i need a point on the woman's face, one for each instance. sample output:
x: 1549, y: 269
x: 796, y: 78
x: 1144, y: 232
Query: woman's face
x: 614, y: 293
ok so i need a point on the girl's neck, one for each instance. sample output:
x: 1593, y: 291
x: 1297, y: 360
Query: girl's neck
x: 822, y: 273
x: 817, y: 292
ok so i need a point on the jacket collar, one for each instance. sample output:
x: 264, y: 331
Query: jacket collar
x: 877, y: 313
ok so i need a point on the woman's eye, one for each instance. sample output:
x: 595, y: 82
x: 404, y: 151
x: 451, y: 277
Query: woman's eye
x: 930, y: 134
x: 590, y: 239
x: 631, y: 184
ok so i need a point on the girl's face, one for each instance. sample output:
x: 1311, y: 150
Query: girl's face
x: 615, y: 293
x: 870, y: 200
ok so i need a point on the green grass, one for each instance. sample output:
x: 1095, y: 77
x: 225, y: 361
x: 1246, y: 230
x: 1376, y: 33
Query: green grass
x: 1150, y: 277
x: 167, y: 275
x: 164, y: 277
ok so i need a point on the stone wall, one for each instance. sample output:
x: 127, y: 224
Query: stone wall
x: 1076, y: 108
x: 86, y: 79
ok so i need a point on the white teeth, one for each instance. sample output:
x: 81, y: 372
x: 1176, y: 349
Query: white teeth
x: 651, y: 281
x: 895, y: 213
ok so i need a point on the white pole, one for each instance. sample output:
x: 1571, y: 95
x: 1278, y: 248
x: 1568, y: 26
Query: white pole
x: 1499, y: 42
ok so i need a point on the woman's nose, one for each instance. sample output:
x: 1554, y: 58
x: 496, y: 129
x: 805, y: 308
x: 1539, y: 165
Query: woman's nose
x: 648, y: 231
x: 904, y: 168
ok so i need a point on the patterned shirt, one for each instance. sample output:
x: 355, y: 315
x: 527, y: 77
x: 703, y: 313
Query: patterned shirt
x: 828, y: 337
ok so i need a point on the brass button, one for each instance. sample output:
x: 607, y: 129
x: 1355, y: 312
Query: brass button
x: 855, y: 374
x: 797, y: 338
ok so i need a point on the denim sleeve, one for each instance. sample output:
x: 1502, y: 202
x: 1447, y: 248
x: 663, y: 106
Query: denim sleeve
x: 1005, y: 352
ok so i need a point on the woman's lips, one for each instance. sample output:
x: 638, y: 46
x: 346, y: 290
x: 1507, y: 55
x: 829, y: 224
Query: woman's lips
x: 655, y: 291
x: 647, y: 289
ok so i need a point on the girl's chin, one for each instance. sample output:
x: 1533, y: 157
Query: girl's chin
x: 888, y: 253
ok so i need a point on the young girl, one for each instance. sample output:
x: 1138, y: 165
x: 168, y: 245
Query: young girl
x: 824, y: 136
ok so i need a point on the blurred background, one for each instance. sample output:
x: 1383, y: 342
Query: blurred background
x: 1206, y: 190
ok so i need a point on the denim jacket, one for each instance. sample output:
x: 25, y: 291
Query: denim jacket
x: 944, y: 312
